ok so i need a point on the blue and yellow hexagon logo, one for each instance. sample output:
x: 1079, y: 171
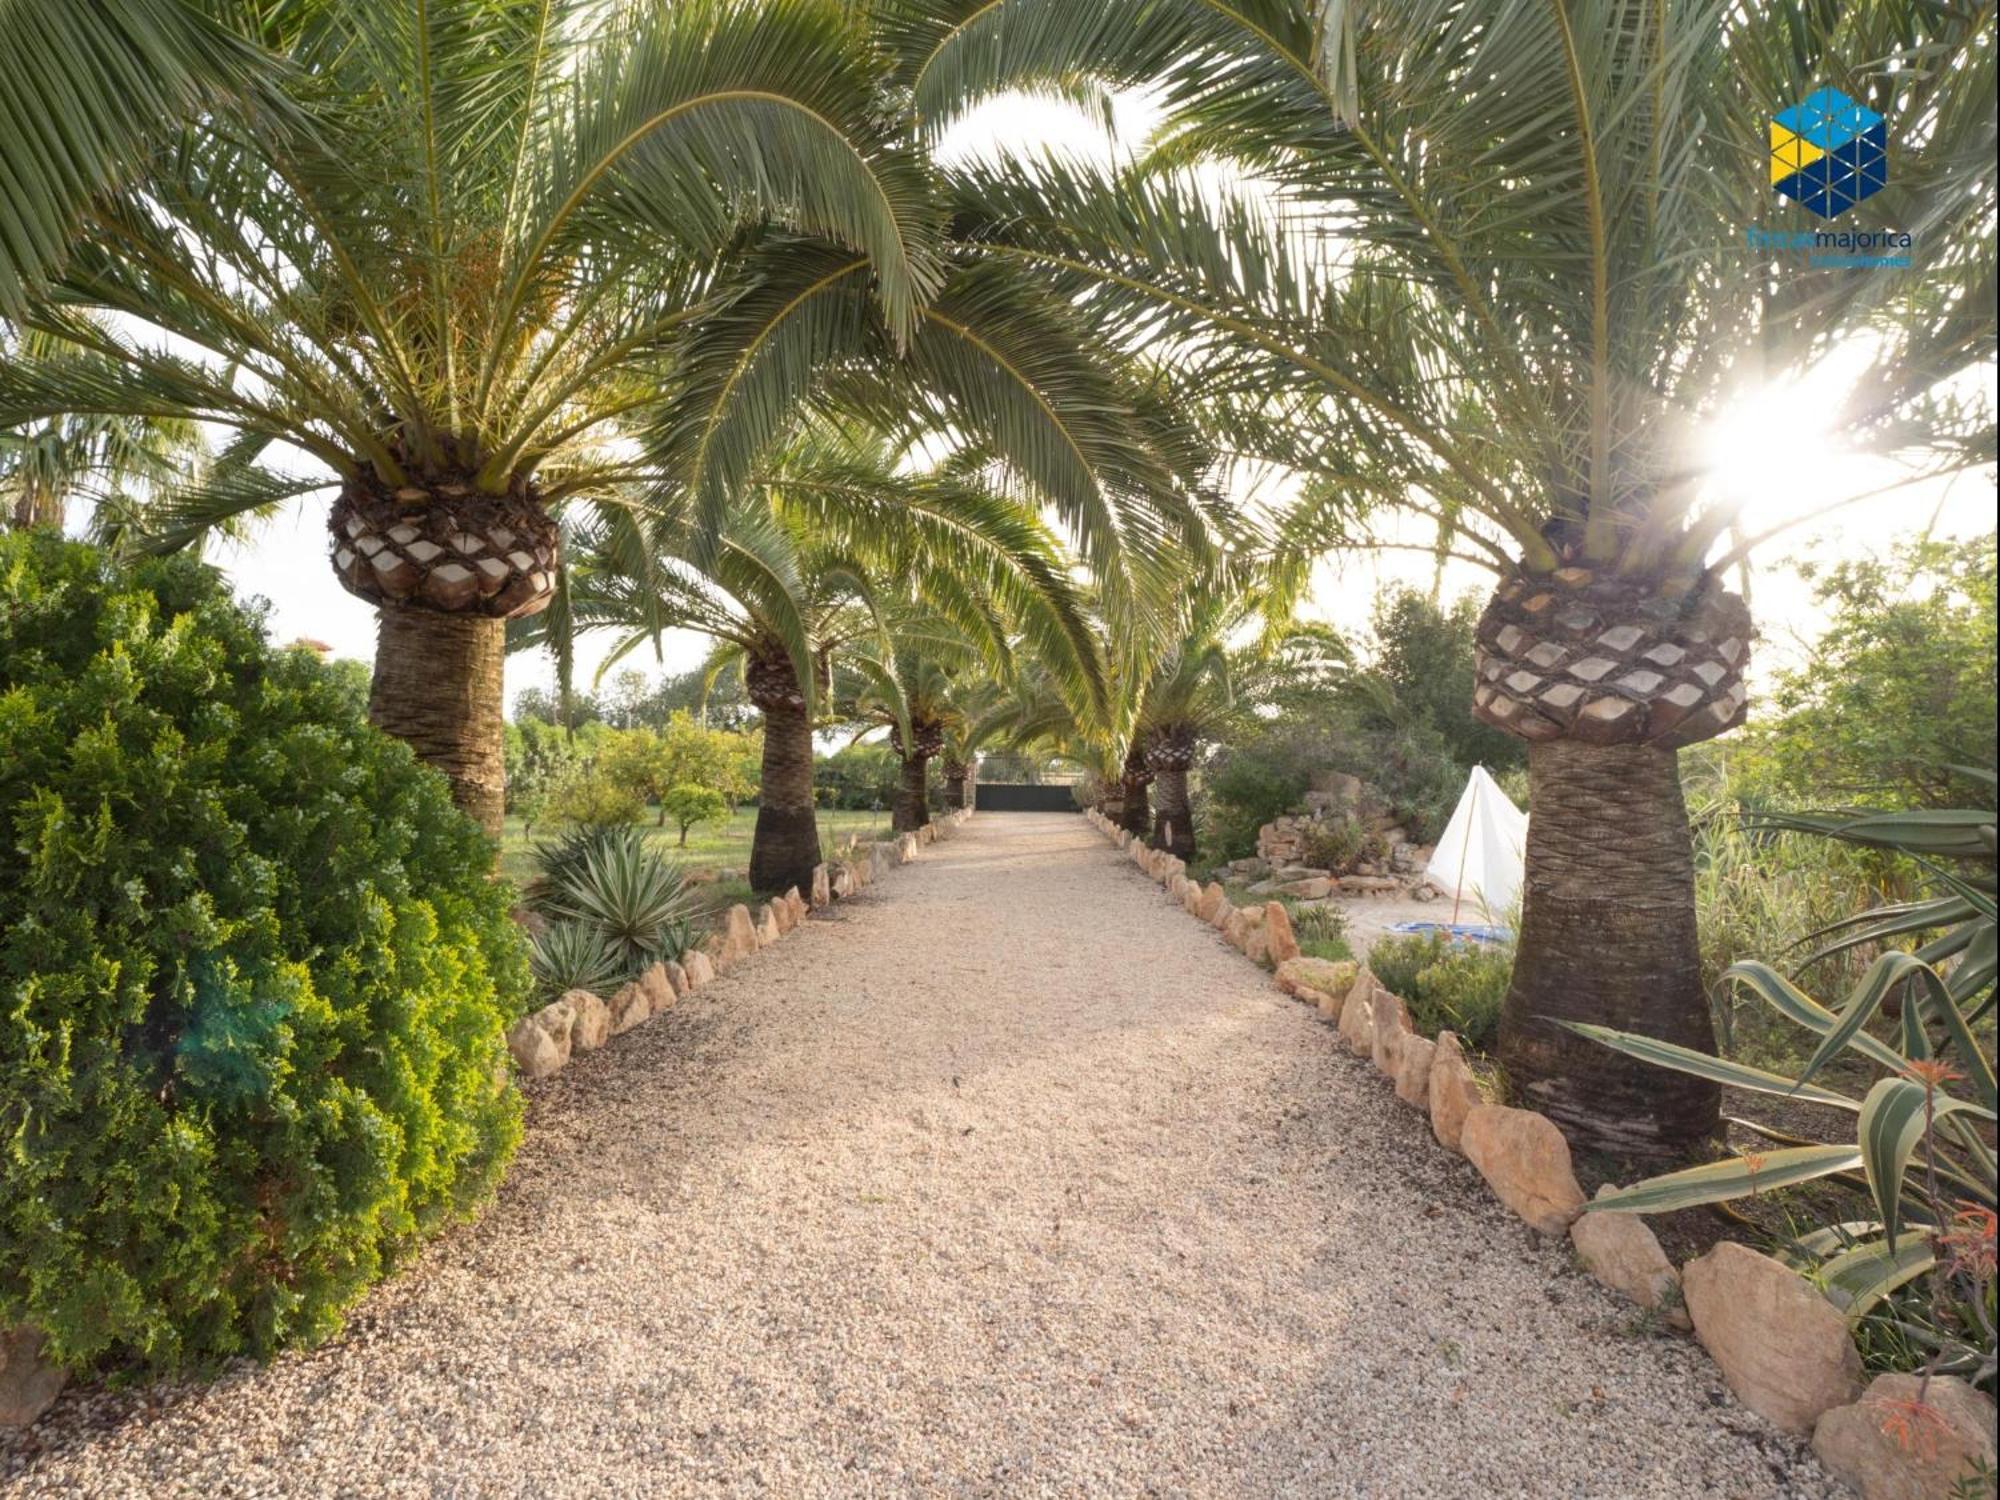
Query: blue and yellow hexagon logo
x: 1828, y: 153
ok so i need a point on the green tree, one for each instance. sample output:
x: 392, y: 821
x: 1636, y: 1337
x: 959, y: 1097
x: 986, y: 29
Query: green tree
x: 1898, y: 694
x: 1480, y: 306
x: 568, y: 710
x: 1425, y: 654
x: 688, y: 805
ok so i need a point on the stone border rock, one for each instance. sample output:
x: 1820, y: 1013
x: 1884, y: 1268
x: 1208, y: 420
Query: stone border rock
x: 1781, y: 1345
x: 543, y: 1041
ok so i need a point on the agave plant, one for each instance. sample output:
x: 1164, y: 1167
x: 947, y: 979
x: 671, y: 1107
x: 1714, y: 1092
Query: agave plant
x: 574, y: 956
x: 619, y: 889
x: 1920, y: 1152
x: 1959, y: 909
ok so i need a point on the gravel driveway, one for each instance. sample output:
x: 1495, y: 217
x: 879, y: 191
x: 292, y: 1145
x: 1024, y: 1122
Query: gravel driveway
x: 1005, y: 1179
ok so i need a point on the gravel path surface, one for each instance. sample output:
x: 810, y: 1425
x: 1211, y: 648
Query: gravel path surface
x: 1007, y: 1178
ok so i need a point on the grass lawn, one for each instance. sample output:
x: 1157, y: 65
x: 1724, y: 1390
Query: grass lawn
x: 720, y: 845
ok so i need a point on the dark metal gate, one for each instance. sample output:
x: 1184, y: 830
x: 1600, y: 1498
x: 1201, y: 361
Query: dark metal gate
x: 1021, y: 796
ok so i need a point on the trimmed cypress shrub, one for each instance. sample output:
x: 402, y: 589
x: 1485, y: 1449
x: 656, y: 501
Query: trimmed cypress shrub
x: 254, y: 975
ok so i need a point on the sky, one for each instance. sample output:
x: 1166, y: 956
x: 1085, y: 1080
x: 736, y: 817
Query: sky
x: 286, y: 564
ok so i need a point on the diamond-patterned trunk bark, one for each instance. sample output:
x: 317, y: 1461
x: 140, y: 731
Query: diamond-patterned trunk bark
x: 1594, y: 657
x: 445, y: 547
x: 1606, y: 678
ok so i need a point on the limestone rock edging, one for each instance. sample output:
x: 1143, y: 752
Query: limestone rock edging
x: 1783, y: 1348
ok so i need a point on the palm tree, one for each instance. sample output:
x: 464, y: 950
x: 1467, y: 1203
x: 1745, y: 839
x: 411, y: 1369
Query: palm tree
x: 110, y: 462
x: 1188, y: 696
x: 1506, y: 294
x: 810, y: 574
x: 913, y: 689
x: 474, y: 236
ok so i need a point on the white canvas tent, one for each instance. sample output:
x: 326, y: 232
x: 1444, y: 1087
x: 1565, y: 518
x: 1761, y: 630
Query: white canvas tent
x: 1478, y: 862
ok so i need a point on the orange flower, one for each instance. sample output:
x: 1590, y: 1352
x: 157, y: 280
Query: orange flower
x: 1931, y: 1072
x: 1913, y: 1425
x: 1968, y: 1246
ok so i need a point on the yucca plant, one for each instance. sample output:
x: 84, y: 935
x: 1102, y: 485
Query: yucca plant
x: 1920, y: 1153
x: 622, y: 890
x: 1500, y: 294
x: 575, y: 956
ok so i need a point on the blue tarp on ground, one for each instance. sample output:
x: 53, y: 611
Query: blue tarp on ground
x: 1477, y: 932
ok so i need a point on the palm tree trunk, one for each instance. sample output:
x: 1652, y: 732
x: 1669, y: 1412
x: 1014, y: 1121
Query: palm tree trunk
x: 913, y: 807
x: 438, y: 686
x: 1173, y: 818
x: 1606, y: 677
x: 1608, y: 937
x: 785, y: 847
x: 1134, y: 816
x: 1169, y: 757
x: 956, y: 773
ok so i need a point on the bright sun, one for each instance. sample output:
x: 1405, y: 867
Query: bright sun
x: 1772, y: 452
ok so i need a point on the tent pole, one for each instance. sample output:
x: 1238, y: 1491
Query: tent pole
x: 1464, y: 851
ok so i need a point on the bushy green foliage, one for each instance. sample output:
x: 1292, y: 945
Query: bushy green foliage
x: 1251, y: 781
x: 1397, y: 961
x: 591, y: 797
x: 253, y: 975
x: 652, y: 762
x: 1423, y: 652
x: 1448, y: 985
x: 1339, y: 844
x: 1463, y: 992
x: 1900, y: 689
x: 861, y: 778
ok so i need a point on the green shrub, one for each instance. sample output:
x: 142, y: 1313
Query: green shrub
x: 253, y: 972
x: 687, y: 804
x: 1448, y: 985
x: 1250, y: 784
x: 591, y: 797
x: 1396, y: 961
x: 1331, y: 846
x: 1462, y: 992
